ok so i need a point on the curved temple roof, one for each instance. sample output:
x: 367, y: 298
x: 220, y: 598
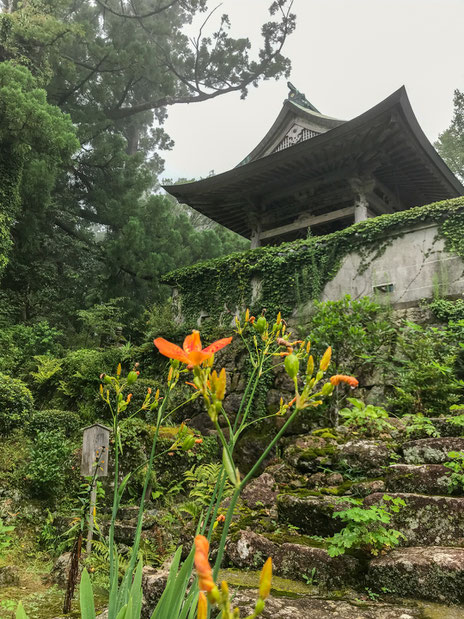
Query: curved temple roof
x: 280, y: 181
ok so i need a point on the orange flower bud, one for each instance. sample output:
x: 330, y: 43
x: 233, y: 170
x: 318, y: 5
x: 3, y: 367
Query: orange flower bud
x: 247, y: 315
x: 325, y: 361
x: 265, y: 580
x: 202, y: 606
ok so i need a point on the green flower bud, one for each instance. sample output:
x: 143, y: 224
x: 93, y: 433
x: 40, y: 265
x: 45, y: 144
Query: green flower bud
x: 261, y: 324
x: 131, y: 377
x: 327, y: 389
x: 188, y: 443
x: 292, y: 365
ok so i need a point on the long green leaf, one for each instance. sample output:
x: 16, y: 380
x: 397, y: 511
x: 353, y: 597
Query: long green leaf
x: 86, y: 597
x: 136, y: 591
x: 20, y: 614
x: 113, y: 599
x: 170, y: 603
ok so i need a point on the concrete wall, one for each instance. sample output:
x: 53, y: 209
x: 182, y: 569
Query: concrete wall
x: 416, y: 265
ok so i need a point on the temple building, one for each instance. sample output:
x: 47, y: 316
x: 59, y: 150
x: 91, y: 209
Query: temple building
x: 314, y: 171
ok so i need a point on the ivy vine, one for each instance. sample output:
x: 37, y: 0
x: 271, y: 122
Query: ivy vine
x: 296, y: 272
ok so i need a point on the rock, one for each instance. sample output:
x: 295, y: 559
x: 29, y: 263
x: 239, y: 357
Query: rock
x: 124, y: 533
x: 203, y: 424
x: 297, y: 561
x: 368, y: 457
x: 128, y: 512
x: 153, y: 584
x: 316, y: 608
x: 324, y: 480
x: 313, y: 515
x: 431, y: 450
x: 9, y: 576
x: 249, y: 550
x: 261, y: 492
x: 365, y: 488
x: 60, y: 571
x: 284, y: 474
x: 422, y: 478
x: 103, y: 615
x: 427, y: 520
x: 435, y: 574
x: 251, y: 445
x: 307, y: 453
x: 292, y: 560
x: 232, y: 404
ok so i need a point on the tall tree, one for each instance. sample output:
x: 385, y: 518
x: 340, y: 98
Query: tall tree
x: 450, y: 143
x: 115, y: 66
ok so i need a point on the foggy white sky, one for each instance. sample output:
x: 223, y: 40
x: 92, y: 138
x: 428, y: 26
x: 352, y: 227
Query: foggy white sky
x: 347, y: 55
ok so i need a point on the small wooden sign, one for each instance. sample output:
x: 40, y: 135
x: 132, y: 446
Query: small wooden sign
x: 95, y: 448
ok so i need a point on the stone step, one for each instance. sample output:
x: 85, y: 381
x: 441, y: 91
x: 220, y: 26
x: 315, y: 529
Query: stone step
x: 419, y: 478
x: 431, y: 450
x: 313, y: 515
x: 427, y: 520
x: 435, y: 574
x: 306, y: 607
x: 298, y: 559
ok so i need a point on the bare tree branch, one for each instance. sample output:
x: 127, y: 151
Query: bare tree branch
x: 129, y: 16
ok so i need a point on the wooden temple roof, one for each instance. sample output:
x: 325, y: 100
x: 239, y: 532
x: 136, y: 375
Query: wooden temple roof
x: 313, y: 178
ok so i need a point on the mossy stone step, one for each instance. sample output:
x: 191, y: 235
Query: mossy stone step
x: 427, y: 520
x: 431, y: 450
x: 435, y: 574
x: 419, y: 478
x: 298, y: 561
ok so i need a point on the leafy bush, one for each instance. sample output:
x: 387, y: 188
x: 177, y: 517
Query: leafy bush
x: 67, y: 422
x: 419, y: 424
x: 82, y: 368
x: 456, y: 465
x: 425, y: 370
x: 365, y: 527
x: 19, y: 343
x: 48, y: 468
x: 356, y: 330
x: 446, y: 311
x: 367, y: 420
x: 16, y: 403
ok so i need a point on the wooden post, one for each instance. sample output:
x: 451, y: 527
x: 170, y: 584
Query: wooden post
x: 94, y: 464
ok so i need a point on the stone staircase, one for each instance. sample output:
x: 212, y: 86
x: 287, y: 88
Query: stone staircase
x: 428, y: 565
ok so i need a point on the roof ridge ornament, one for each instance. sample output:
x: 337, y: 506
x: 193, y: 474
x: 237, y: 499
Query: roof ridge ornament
x: 299, y: 98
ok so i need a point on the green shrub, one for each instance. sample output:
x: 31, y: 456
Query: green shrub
x: 81, y: 371
x: 19, y: 343
x: 67, y: 422
x: 16, y: 403
x: 49, y: 466
x: 425, y: 376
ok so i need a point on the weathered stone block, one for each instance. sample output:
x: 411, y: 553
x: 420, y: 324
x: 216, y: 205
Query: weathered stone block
x: 262, y: 491
x: 307, y: 453
x: 419, y: 478
x: 427, y: 520
x: 365, y: 456
x: 297, y: 561
x: 312, y: 514
x: 435, y: 574
x: 431, y: 450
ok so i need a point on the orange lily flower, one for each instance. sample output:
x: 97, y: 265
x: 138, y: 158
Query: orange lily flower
x: 191, y: 352
x: 341, y: 378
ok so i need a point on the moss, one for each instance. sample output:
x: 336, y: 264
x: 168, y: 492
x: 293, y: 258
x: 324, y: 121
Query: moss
x: 286, y: 537
x: 280, y: 586
x: 307, y: 455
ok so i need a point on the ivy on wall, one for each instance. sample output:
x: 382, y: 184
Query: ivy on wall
x: 296, y: 272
